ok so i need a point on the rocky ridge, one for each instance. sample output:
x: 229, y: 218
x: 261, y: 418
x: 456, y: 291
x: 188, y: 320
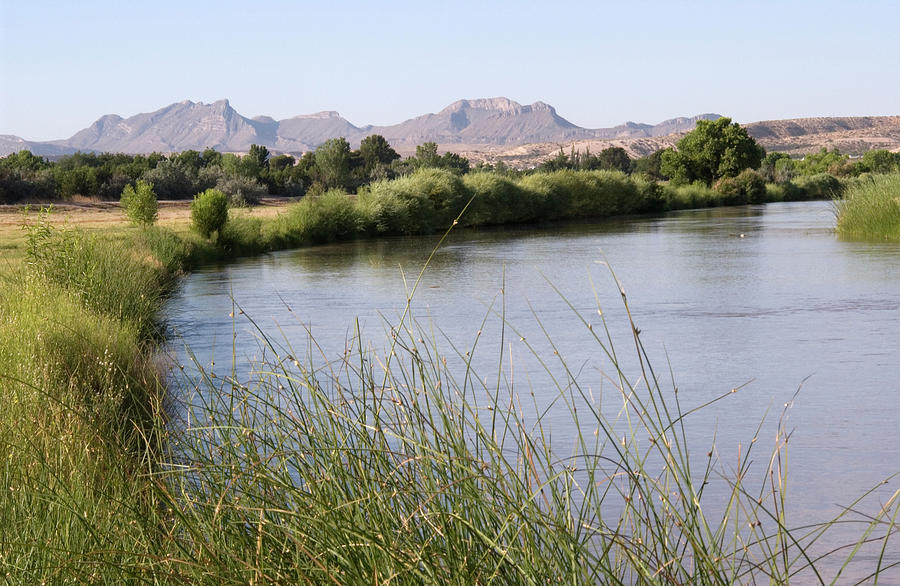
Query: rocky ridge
x: 489, y: 129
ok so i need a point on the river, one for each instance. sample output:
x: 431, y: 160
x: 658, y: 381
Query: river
x: 765, y: 299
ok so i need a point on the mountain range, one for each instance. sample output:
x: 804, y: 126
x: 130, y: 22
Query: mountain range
x: 490, y: 129
x: 192, y: 125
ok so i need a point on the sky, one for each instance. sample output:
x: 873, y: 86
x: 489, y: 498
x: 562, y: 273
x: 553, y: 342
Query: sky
x: 64, y: 64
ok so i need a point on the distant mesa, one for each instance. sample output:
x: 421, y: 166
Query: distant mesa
x: 486, y: 124
x: 195, y: 125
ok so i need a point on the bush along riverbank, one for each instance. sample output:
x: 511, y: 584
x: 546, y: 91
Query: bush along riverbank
x: 428, y: 200
x: 870, y: 208
x: 379, y: 468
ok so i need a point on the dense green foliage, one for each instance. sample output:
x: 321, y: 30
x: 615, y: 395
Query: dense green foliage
x: 140, y: 203
x: 870, y: 208
x: 714, y: 154
x: 209, y: 212
x: 715, y: 149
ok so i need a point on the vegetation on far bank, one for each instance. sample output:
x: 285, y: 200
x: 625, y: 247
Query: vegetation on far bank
x: 717, y: 163
x: 715, y: 150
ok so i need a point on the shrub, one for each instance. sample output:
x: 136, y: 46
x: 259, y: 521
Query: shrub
x: 420, y: 203
x: 651, y: 196
x: 593, y: 194
x: 695, y: 195
x: 140, y: 204
x: 496, y: 200
x: 323, y: 218
x: 242, y: 191
x: 243, y: 235
x: 550, y: 200
x: 748, y: 187
x: 173, y: 179
x: 819, y: 186
x: 209, y: 212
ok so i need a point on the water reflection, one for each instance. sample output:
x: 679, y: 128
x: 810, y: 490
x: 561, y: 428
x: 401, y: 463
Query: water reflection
x: 730, y: 295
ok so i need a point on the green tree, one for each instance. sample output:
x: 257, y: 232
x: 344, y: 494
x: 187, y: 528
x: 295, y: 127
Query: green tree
x: 210, y: 157
x: 281, y: 162
x: 209, y: 212
x: 332, y: 161
x: 427, y: 156
x: 80, y: 180
x: 769, y: 163
x: 614, y: 159
x: 259, y: 155
x: 455, y: 163
x: 375, y: 150
x: 874, y: 161
x: 173, y: 179
x: 650, y: 166
x: 713, y: 150
x: 246, y: 166
x: 24, y: 160
x: 140, y: 203
x: 189, y: 158
x: 824, y: 161
x: 557, y: 163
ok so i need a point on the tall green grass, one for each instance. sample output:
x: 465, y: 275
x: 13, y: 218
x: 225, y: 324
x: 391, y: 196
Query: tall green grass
x: 405, y: 466
x: 408, y: 466
x: 870, y: 208
x: 79, y: 418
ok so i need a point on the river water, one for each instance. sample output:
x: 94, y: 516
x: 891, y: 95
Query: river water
x: 761, y: 298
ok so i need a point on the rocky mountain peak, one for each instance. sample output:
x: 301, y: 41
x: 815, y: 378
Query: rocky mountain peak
x: 500, y: 104
x: 195, y: 125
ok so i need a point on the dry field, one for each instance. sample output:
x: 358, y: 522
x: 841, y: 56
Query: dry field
x: 102, y: 215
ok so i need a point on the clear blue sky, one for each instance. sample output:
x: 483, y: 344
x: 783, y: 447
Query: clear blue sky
x: 63, y: 64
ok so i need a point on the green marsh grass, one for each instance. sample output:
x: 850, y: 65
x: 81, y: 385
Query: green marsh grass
x: 870, y: 208
x: 405, y: 466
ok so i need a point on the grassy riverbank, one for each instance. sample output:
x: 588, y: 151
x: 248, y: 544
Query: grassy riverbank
x: 381, y: 468
x: 870, y: 208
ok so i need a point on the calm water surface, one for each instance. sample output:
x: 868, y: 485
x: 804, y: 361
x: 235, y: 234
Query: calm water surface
x: 764, y: 295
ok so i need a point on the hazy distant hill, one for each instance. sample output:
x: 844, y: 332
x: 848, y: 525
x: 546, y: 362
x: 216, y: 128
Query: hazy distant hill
x: 483, y: 129
x: 850, y: 135
x: 497, y: 121
x: 189, y: 125
x: 176, y: 127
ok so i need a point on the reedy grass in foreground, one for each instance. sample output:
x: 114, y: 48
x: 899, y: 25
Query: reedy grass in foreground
x: 870, y: 208
x: 408, y: 468
x: 398, y: 467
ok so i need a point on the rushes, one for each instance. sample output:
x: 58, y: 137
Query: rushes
x: 871, y: 208
x: 405, y: 467
x: 409, y: 467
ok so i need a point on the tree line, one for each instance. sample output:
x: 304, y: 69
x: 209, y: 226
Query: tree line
x: 718, y: 154
x: 244, y: 179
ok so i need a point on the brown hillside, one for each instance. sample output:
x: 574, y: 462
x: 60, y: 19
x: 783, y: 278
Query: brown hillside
x: 850, y: 135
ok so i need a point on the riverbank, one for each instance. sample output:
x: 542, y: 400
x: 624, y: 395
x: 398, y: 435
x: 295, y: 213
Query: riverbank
x: 95, y: 495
